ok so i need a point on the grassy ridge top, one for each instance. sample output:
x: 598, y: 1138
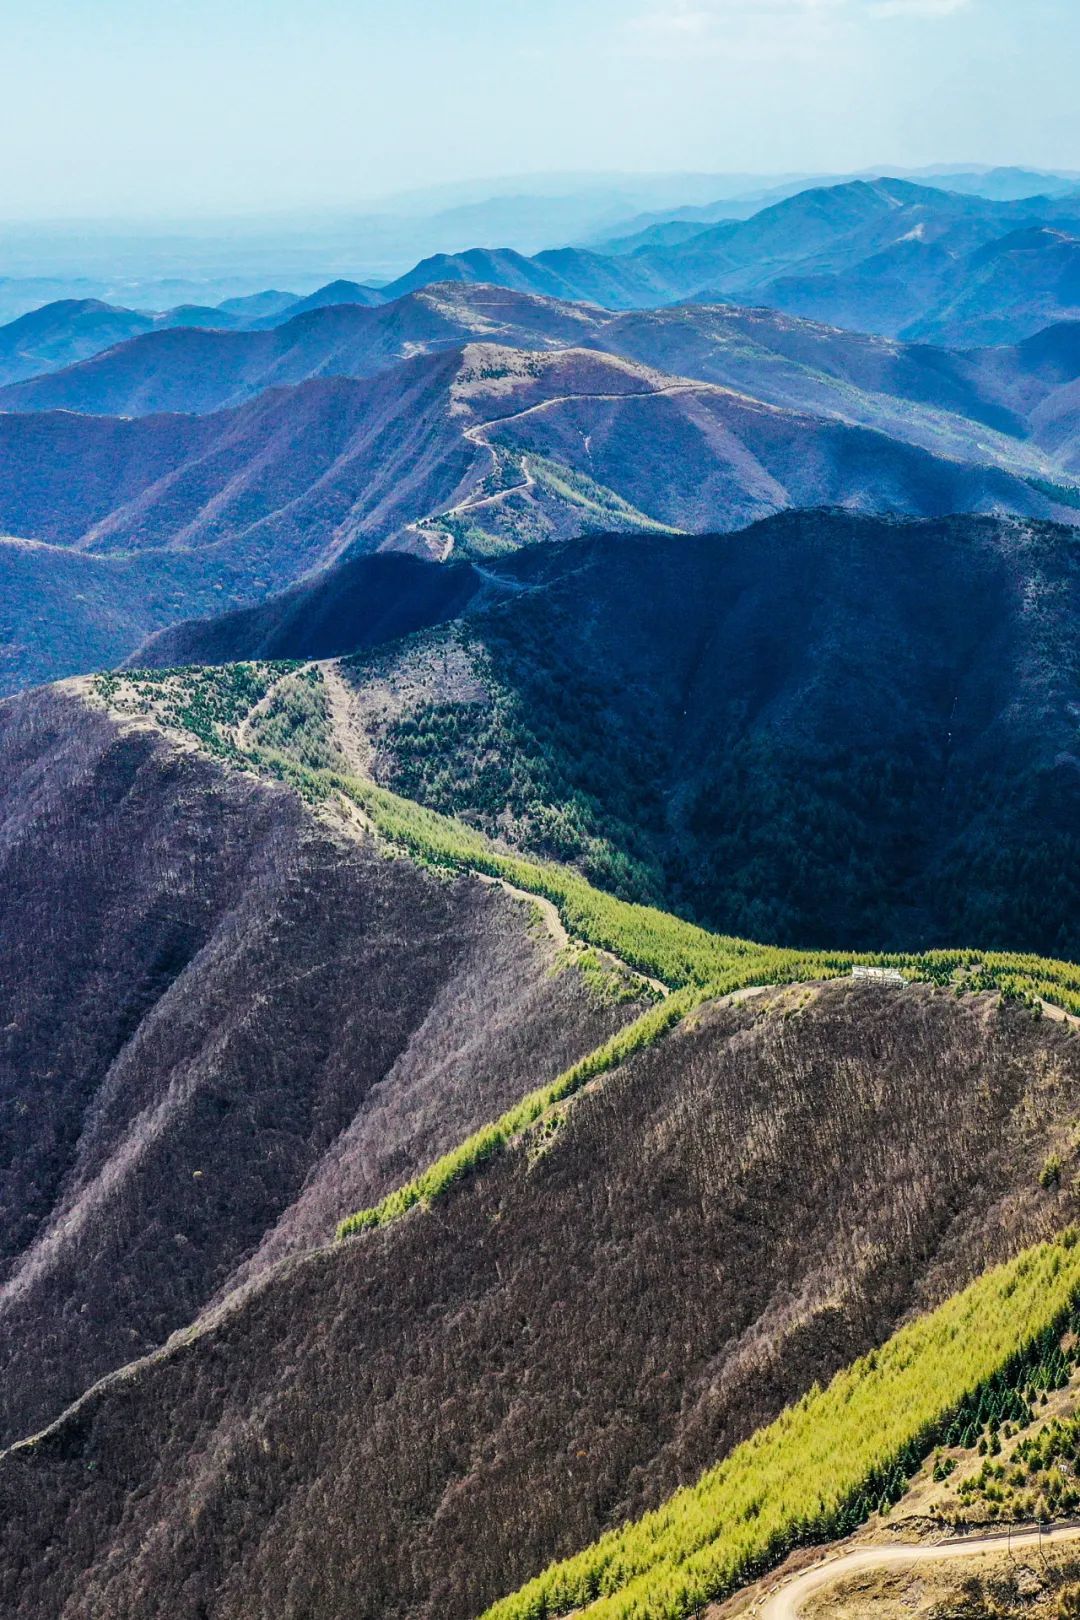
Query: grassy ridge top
x: 824, y: 1462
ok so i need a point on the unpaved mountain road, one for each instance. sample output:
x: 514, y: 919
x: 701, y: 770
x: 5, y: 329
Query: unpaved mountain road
x: 786, y: 1602
x: 473, y: 501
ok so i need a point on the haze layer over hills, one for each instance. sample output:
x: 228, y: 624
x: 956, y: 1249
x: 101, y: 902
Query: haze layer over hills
x: 881, y: 255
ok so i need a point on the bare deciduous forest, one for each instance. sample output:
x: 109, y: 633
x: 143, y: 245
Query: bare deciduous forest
x: 729, y: 1217
x: 224, y: 1025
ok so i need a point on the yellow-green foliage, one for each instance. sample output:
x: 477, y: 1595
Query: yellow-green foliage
x: 295, y: 720
x: 668, y: 948
x: 208, y: 704
x: 293, y: 737
x: 490, y: 1138
x: 807, y: 1475
x: 804, y: 1471
x: 655, y: 942
x: 678, y: 952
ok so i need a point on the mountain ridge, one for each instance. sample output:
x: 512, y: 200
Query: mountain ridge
x: 786, y: 733
x: 833, y: 252
x: 472, y: 449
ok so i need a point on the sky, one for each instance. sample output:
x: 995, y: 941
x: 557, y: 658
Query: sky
x: 180, y: 108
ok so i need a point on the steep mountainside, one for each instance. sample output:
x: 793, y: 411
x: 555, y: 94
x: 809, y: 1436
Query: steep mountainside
x: 475, y: 450
x: 781, y: 360
x: 1027, y: 278
x: 516, y: 445
x: 825, y: 729
x: 917, y: 289
x: 258, y: 306
x: 61, y: 610
x: 886, y: 256
x: 414, y: 1421
x: 70, y: 330
x: 540, y: 924
x: 824, y: 369
x: 224, y: 1023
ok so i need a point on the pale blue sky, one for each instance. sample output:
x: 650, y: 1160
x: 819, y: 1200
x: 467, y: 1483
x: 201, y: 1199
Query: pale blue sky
x: 129, y: 107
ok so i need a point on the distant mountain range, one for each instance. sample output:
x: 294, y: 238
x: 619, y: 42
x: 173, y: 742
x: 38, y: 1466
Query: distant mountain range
x: 884, y: 256
x: 540, y: 944
x: 759, y: 352
x: 159, y: 466
x: 1002, y: 184
x: 191, y: 471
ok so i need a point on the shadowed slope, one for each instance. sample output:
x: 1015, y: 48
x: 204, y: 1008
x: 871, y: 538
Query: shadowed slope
x: 357, y: 604
x: 473, y: 451
x: 824, y: 729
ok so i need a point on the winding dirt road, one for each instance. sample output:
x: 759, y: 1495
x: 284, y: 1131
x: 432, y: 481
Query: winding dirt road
x: 475, y: 434
x: 786, y: 1602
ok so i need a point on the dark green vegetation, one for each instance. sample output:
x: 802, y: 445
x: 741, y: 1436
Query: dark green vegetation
x: 438, y: 1178
x: 827, y: 730
x: 209, y: 709
x: 291, y: 734
x: 444, y: 1160
x: 1035, y: 1479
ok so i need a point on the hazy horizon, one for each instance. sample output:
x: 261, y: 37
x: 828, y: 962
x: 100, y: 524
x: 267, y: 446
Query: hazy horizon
x: 232, y: 111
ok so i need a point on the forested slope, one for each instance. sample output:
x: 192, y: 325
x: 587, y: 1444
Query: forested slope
x: 825, y: 730
x: 223, y: 1023
x: 586, y: 1323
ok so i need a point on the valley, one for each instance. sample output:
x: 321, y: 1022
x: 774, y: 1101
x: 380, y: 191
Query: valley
x: 262, y: 1260
x: 755, y: 1041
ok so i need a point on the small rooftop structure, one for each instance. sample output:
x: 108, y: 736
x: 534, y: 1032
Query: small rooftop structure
x: 880, y: 975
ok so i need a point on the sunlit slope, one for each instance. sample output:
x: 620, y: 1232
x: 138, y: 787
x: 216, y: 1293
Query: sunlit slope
x: 290, y: 733
x: 827, y: 1462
